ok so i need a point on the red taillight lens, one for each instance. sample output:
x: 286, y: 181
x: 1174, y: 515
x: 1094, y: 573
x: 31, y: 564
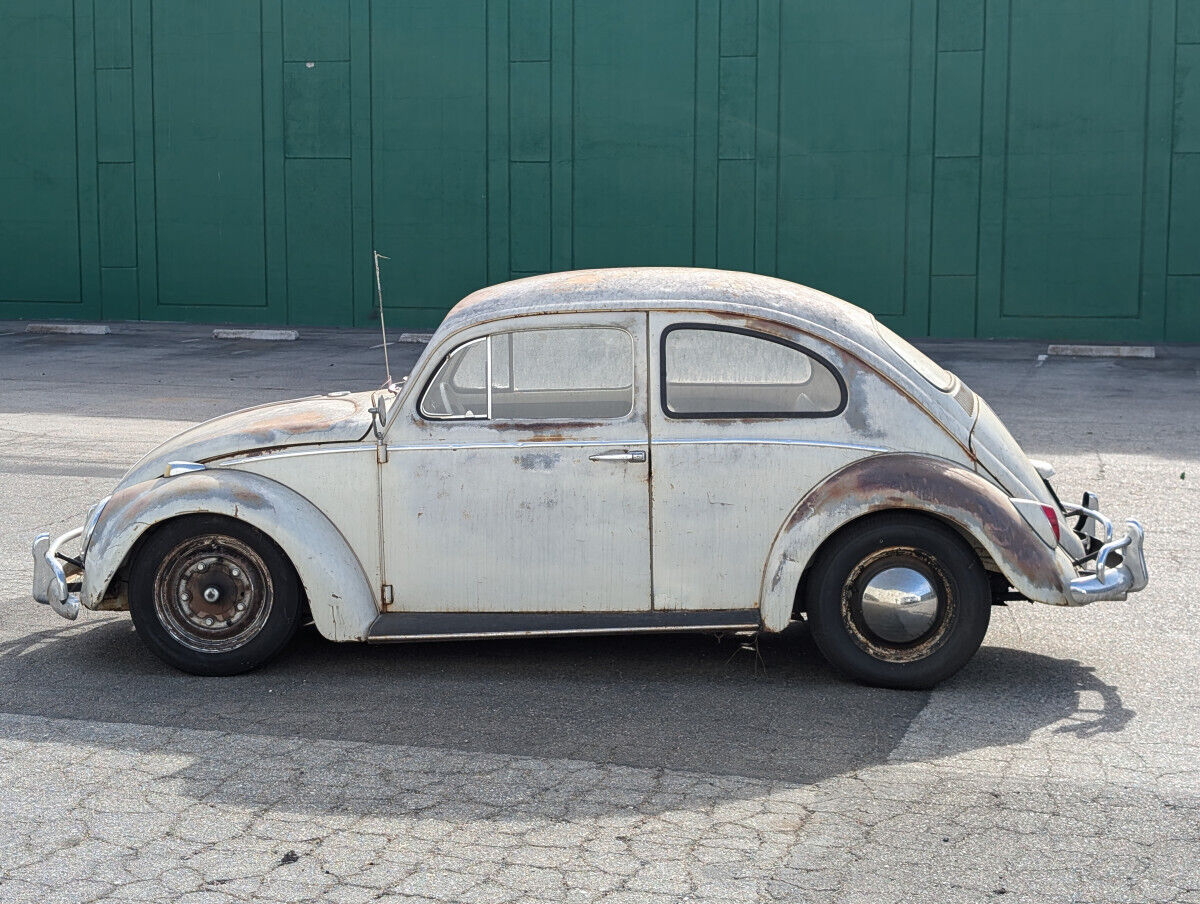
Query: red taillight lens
x: 1052, y: 517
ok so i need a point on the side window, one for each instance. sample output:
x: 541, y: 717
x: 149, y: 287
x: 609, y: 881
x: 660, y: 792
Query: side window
x: 570, y: 373
x: 719, y: 372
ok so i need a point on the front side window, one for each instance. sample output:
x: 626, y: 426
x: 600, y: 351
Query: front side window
x: 726, y: 372
x: 583, y: 373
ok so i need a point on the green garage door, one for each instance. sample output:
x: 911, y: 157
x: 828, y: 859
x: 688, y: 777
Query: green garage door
x: 961, y: 168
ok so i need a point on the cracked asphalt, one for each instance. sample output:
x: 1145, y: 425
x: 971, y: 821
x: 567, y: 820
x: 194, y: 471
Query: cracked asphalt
x: 1063, y: 764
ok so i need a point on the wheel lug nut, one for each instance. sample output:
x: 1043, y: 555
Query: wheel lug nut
x: 208, y: 621
x: 200, y: 567
x: 183, y: 597
x: 234, y: 572
x: 241, y: 607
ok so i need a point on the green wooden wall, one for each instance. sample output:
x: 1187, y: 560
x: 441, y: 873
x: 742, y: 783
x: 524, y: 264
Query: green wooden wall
x: 1023, y: 168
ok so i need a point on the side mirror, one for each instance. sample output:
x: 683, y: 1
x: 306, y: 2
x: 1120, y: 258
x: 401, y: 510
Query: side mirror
x: 379, y: 415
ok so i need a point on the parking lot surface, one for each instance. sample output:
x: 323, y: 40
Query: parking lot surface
x: 1063, y: 764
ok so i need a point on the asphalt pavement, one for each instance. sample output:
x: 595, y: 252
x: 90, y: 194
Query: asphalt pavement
x: 1062, y: 764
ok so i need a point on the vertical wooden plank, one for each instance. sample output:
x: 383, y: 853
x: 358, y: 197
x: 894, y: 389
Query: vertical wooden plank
x: 316, y: 30
x: 562, y: 124
x: 39, y: 217
x: 952, y: 306
x: 85, y: 149
x: 634, y: 133
x: 114, y: 115
x: 143, y: 152
x: 210, y: 115
x: 118, y: 231
x: 113, y: 26
x: 706, y: 150
x: 530, y: 218
x: 430, y: 151
x: 498, y: 124
x: 529, y: 115
x: 855, y: 129
x: 274, y: 178
x: 1156, y: 199
x: 959, y: 81
x: 989, y: 285
x: 319, y: 256
x: 919, y: 202
x: 1185, y: 216
x: 766, y: 205
x: 739, y: 27
x: 735, y: 238
x: 361, y: 195
x: 960, y: 24
x: 529, y: 30
x: 955, y: 214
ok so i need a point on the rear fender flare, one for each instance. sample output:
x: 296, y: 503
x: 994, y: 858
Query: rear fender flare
x: 918, y: 483
x: 339, y: 593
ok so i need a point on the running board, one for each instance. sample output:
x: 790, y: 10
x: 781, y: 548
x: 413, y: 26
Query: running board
x: 401, y: 626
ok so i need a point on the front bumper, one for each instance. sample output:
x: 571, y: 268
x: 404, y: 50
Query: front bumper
x: 51, y: 576
x: 1120, y: 564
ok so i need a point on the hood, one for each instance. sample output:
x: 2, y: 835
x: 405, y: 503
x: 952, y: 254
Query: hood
x: 1004, y: 458
x: 332, y: 418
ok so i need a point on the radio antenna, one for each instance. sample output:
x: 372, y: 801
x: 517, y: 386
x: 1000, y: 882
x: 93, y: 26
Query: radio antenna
x: 387, y: 367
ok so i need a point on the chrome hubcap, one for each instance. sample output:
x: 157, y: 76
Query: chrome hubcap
x: 213, y: 593
x: 899, y: 604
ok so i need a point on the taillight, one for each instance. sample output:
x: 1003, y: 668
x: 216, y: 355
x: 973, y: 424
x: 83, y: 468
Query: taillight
x: 1052, y: 517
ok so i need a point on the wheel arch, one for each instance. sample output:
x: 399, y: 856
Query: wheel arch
x: 922, y: 485
x: 336, y: 587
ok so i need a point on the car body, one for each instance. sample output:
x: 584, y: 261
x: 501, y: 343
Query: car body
x: 640, y: 449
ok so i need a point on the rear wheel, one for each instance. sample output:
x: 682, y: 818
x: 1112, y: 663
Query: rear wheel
x: 213, y: 596
x: 898, y: 601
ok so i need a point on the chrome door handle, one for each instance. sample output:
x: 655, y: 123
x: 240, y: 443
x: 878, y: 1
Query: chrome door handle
x: 619, y: 455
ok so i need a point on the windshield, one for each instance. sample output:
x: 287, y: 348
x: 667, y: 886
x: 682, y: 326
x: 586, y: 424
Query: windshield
x: 918, y: 360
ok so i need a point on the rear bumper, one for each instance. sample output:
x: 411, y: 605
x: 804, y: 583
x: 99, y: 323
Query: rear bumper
x: 51, y: 584
x: 1120, y: 563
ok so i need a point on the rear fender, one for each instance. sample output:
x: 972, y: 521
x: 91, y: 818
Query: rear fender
x: 918, y: 483
x: 339, y: 593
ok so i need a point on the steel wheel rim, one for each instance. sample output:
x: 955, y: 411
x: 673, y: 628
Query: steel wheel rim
x: 878, y: 588
x: 213, y: 593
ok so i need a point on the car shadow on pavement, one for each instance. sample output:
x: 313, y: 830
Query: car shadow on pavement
x: 678, y: 702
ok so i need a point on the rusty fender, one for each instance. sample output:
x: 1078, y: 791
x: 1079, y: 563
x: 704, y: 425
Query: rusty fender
x: 905, y: 481
x: 339, y: 594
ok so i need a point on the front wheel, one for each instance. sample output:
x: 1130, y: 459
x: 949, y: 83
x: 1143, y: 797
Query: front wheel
x: 898, y: 601
x: 213, y: 596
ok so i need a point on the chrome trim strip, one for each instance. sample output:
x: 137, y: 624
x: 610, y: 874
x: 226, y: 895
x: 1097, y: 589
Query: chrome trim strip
x: 751, y: 441
x: 609, y: 443
x: 482, y: 635
x: 298, y: 453
x: 638, y: 442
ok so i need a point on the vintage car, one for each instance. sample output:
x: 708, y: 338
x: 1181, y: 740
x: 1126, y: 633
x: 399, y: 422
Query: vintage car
x: 605, y: 451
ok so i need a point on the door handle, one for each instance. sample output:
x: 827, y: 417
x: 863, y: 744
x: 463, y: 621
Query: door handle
x: 619, y: 455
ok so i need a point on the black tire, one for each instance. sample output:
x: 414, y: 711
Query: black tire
x: 864, y: 633
x: 213, y: 596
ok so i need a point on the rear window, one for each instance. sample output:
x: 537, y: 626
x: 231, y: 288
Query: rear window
x: 920, y: 362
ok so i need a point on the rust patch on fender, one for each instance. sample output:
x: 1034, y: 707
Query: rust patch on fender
x: 919, y: 483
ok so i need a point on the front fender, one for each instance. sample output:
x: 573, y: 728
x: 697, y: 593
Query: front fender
x: 339, y: 593
x: 904, y: 481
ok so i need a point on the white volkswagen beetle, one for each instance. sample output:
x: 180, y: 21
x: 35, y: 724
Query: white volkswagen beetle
x: 598, y: 452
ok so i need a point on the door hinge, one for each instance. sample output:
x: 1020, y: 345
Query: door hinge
x: 381, y: 453
x: 386, y: 595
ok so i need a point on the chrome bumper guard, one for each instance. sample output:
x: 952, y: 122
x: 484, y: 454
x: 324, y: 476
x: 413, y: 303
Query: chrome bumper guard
x: 50, y: 576
x: 1110, y: 581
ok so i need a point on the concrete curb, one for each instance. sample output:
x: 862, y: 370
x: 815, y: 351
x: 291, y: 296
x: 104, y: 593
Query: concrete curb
x: 259, y: 335
x: 72, y: 329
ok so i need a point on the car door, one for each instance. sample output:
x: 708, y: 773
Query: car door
x: 744, y: 423
x: 516, y: 477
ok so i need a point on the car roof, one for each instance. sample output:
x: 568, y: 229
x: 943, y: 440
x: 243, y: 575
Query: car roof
x: 667, y: 288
